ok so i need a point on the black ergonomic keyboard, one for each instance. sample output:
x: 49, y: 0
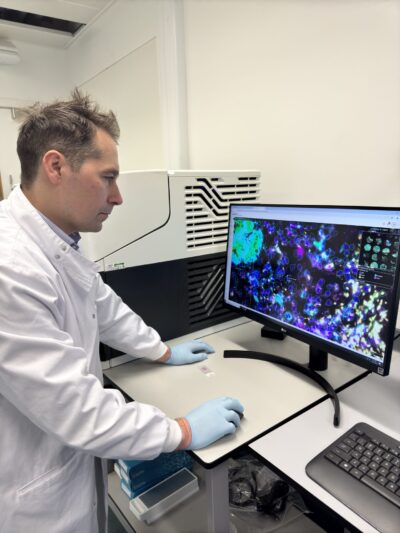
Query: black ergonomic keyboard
x: 362, y: 470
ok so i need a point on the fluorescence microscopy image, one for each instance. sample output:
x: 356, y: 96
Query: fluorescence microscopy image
x: 306, y: 274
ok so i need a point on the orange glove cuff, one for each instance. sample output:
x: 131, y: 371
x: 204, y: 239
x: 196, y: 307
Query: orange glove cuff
x: 186, y: 433
x: 165, y: 357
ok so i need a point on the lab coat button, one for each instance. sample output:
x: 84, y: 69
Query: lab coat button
x: 64, y: 248
x: 93, y: 316
x: 57, y: 256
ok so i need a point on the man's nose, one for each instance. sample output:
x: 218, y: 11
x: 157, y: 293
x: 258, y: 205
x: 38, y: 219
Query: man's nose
x: 115, y: 196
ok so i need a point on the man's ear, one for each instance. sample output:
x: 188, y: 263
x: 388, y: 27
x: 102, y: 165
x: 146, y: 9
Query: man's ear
x: 53, y: 161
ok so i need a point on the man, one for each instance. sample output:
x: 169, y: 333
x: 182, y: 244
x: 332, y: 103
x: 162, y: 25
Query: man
x: 56, y: 418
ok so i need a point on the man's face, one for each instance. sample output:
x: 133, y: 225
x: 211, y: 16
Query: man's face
x: 91, y: 192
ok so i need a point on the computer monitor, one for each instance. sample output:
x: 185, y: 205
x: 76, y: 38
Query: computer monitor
x: 328, y: 276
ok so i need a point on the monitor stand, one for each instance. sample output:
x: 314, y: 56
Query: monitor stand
x: 318, y: 361
x: 272, y: 333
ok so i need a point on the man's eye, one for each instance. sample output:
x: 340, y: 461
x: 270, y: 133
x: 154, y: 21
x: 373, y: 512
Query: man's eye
x: 109, y: 177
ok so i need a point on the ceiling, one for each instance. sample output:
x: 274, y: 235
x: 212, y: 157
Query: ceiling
x: 81, y: 11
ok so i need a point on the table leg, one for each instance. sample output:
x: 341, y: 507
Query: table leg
x: 217, y: 498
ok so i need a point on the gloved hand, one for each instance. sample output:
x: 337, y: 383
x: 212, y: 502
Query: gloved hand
x: 212, y: 420
x: 189, y: 352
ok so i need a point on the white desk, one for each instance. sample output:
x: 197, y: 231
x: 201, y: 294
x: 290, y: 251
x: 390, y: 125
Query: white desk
x: 270, y: 394
x: 374, y: 400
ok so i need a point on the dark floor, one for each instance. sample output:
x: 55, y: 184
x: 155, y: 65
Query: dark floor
x: 114, y: 526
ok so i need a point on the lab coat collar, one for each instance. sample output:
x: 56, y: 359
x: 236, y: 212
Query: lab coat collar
x: 59, y: 253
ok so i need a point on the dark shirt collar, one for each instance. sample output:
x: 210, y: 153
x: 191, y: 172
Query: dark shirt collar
x: 72, y: 239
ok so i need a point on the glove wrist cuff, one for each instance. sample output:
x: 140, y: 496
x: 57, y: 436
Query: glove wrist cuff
x: 165, y: 358
x: 186, y: 433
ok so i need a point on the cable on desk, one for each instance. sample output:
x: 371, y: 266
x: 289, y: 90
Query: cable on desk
x: 261, y: 356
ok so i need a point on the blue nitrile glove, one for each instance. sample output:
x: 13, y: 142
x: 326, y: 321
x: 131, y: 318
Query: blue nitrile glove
x: 212, y: 420
x: 189, y: 352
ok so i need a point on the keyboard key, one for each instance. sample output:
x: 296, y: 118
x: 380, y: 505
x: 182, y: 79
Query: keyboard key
x: 333, y: 458
x: 383, y: 491
x: 344, y: 447
x: 356, y: 473
x: 372, y: 474
x: 364, y: 469
x: 349, y: 442
x: 345, y: 466
x: 392, y: 477
x: 345, y: 456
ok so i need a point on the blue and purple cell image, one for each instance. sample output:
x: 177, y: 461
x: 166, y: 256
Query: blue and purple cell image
x: 308, y: 275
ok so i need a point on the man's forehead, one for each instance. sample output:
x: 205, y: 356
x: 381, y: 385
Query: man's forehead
x: 103, y: 136
x: 106, y: 147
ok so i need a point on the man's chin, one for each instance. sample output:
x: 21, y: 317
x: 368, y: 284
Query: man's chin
x: 92, y: 229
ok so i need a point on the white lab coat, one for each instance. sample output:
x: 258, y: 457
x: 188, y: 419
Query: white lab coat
x: 55, y: 415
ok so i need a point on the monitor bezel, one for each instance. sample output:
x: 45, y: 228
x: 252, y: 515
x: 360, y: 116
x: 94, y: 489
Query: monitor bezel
x: 308, y: 338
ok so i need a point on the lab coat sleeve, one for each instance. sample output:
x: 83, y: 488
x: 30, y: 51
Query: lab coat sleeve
x: 122, y: 329
x: 45, y: 376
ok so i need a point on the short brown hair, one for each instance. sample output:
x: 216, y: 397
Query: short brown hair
x: 67, y: 126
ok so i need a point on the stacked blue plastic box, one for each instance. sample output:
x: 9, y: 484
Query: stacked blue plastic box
x: 138, y: 476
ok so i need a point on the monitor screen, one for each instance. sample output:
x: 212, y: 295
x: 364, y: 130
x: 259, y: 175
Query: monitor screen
x: 328, y: 276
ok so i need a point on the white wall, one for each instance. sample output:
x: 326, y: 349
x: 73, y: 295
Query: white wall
x: 308, y: 91
x: 133, y: 44
x: 136, y: 44
x: 9, y: 163
x: 124, y: 27
x: 130, y: 87
x: 40, y: 76
x: 116, y: 59
x: 305, y: 90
